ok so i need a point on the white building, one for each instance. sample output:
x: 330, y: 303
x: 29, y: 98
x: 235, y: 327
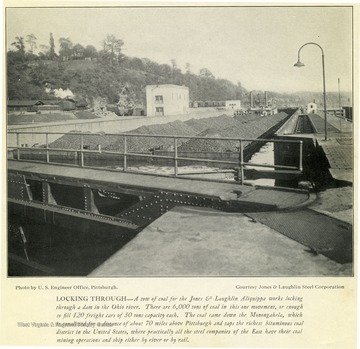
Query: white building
x: 167, y: 100
x: 311, y: 108
x: 233, y: 105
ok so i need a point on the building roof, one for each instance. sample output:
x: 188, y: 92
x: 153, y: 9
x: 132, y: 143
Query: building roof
x: 51, y: 101
x: 67, y: 100
x: 23, y: 103
x: 81, y: 103
x: 167, y: 86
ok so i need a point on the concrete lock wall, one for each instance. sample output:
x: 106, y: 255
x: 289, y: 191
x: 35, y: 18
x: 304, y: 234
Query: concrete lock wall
x: 108, y: 125
x: 288, y: 127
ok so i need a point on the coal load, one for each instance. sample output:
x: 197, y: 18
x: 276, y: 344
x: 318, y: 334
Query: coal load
x: 148, y: 144
x: 247, y: 126
x: 91, y: 141
x: 219, y: 122
x: 140, y: 144
x: 250, y: 127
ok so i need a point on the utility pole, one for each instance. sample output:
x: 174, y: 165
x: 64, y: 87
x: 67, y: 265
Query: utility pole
x: 340, y: 115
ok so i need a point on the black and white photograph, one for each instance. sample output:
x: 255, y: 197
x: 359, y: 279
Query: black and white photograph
x: 181, y: 142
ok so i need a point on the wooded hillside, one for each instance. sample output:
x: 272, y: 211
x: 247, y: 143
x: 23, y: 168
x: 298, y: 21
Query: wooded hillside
x: 91, y: 74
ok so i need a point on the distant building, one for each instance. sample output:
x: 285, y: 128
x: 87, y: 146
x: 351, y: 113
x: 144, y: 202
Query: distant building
x: 167, y: 100
x: 48, y: 108
x: 233, y: 105
x: 23, y: 105
x: 32, y: 106
x: 348, y: 113
x: 263, y: 111
x: 81, y: 104
x: 311, y: 108
x: 195, y: 104
x: 67, y: 104
x: 138, y: 111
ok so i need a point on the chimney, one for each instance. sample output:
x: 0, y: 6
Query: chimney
x: 266, y: 99
x: 251, y: 100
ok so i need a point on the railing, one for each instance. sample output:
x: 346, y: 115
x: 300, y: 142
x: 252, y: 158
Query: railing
x: 175, y: 158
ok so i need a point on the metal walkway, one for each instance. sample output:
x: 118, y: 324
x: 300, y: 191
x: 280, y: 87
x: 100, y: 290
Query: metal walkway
x: 338, y: 149
x: 339, y: 153
x: 265, y: 198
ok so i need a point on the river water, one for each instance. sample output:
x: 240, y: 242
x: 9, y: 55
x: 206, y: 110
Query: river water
x: 264, y: 156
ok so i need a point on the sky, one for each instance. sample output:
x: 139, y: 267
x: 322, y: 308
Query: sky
x: 254, y: 45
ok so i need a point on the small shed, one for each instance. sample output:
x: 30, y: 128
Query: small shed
x: 195, y: 104
x: 311, y: 108
x: 138, y: 111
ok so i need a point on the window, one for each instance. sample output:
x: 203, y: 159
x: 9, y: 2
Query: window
x: 159, y: 111
x: 159, y: 99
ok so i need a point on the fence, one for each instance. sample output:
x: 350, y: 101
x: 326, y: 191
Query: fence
x: 23, y: 152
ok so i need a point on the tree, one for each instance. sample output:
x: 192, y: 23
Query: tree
x: 206, y: 73
x: 112, y: 46
x: 44, y: 52
x: 174, y: 64
x: 78, y: 51
x: 239, y: 91
x: 176, y: 72
x: 136, y: 63
x: 52, y: 47
x: 90, y: 52
x: 19, y: 54
x: 165, y: 71
x: 188, y: 68
x: 31, y: 40
x: 65, y: 50
x: 19, y: 44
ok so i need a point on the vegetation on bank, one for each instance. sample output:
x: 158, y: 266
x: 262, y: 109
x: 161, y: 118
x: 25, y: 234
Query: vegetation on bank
x: 91, y: 74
